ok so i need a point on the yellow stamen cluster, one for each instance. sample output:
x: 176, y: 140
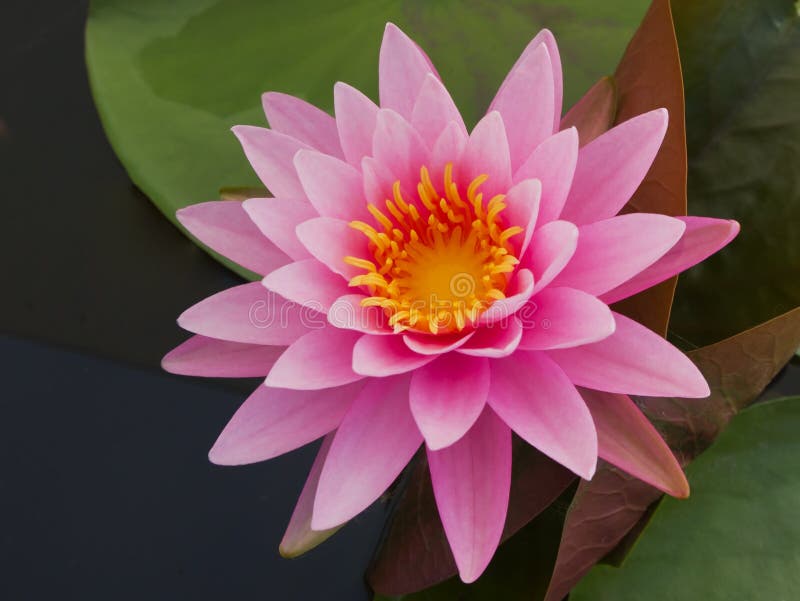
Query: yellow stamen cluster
x: 437, y: 264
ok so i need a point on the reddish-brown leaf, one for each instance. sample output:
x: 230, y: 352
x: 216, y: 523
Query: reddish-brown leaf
x: 593, y: 114
x: 649, y: 77
x: 605, y: 509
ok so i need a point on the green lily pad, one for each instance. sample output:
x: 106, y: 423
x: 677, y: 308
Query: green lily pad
x: 171, y: 78
x: 741, y: 65
x: 737, y: 536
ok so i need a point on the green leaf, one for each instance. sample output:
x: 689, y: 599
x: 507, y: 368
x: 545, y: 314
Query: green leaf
x: 737, y: 536
x: 741, y: 64
x: 171, y: 78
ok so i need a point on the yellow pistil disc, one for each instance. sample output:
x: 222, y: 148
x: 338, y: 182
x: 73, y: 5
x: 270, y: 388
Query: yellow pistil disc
x: 438, y: 260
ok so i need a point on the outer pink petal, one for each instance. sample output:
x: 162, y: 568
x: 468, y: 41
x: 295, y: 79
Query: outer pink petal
x: 563, y: 318
x: 373, y: 444
x: 277, y: 219
x: 495, y: 341
x: 274, y: 421
x: 553, y: 164
x: 399, y: 148
x: 522, y: 209
x: 403, y: 67
x: 526, y: 103
x: 447, y: 396
x: 355, y: 119
x: 503, y: 310
x: 299, y: 537
x: 249, y: 313
x: 435, y: 345
x: 434, y: 110
x: 302, y: 121
x: 348, y: 313
x: 487, y: 153
x: 471, y: 483
x: 224, y: 227
x: 381, y: 356
x: 308, y: 283
x: 271, y: 153
x: 537, y: 400
x: 551, y: 248
x: 633, y: 360
x: 335, y: 188
x: 544, y: 37
x: 320, y: 359
x: 703, y: 237
x: 612, y: 251
x: 628, y: 440
x: 612, y: 166
x: 330, y: 241
x: 212, y: 358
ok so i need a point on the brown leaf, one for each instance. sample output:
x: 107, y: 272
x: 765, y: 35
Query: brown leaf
x: 242, y: 193
x: 605, y: 509
x: 593, y: 114
x: 415, y: 554
x: 649, y: 77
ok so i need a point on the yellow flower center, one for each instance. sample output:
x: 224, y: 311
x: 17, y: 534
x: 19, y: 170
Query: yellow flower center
x: 436, y: 269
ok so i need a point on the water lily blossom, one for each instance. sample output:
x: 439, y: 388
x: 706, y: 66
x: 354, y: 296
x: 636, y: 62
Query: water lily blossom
x: 429, y: 285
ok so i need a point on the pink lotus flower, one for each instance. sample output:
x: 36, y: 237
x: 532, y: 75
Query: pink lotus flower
x: 428, y: 284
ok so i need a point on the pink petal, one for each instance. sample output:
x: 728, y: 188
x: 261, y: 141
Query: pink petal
x: 526, y: 103
x: 402, y: 70
x: 563, y: 318
x: 277, y: 219
x: 302, y: 121
x: 553, y: 164
x: 299, y: 537
x: 448, y: 148
x: 355, y: 119
x: 471, y: 483
x: 522, y: 209
x: 435, y: 345
x: 434, y: 110
x: 495, y: 341
x: 373, y: 444
x: 249, y: 313
x: 320, y: 359
x: 224, y: 227
x: 504, y: 309
x: 544, y: 37
x: 612, y: 251
x: 271, y: 153
x: 536, y: 399
x: 381, y: 356
x: 612, y: 166
x: 273, y: 421
x: 212, y: 358
x: 447, y: 396
x: 633, y: 360
x: 703, y: 237
x: 334, y: 187
x: 628, y: 440
x: 347, y: 313
x: 308, y: 283
x: 399, y: 147
x: 378, y: 182
x: 330, y: 241
x: 487, y: 153
x: 551, y: 248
